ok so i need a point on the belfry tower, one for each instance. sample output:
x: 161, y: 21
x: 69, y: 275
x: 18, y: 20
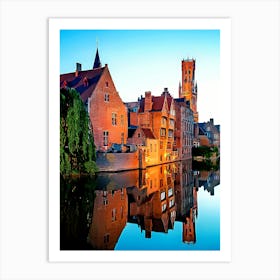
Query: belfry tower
x: 189, y: 85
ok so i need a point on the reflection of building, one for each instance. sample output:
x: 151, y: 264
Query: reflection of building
x: 183, y: 140
x: 109, y: 218
x: 209, y: 180
x: 186, y: 201
x: 107, y: 112
x: 152, y: 204
x: 189, y: 234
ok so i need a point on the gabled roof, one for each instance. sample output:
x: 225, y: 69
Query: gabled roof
x: 84, y: 83
x: 148, y: 133
x: 158, y: 102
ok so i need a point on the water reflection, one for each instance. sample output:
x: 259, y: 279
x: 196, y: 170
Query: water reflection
x: 95, y: 211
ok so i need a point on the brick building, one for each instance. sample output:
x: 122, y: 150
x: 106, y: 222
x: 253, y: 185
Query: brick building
x: 107, y: 112
x: 184, y: 125
x: 189, y: 85
x: 188, y: 90
x: 209, y: 134
x: 156, y: 113
x: 145, y: 140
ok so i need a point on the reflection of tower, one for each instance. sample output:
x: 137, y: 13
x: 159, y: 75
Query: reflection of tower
x: 109, y: 218
x: 189, y: 235
x: 189, y: 85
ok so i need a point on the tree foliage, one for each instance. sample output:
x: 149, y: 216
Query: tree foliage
x: 77, y: 150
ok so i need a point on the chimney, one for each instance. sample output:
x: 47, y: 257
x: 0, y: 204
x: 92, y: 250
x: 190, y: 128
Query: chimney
x: 165, y: 92
x: 148, y: 101
x: 78, y: 68
x: 212, y: 121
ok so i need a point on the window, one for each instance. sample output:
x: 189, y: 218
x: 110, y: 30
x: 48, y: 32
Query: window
x: 163, y: 132
x: 163, y: 207
x: 168, y: 145
x: 170, y: 133
x: 139, y: 135
x: 171, y: 122
x: 161, y: 145
x: 106, y: 97
x: 170, y: 192
x: 114, y: 119
x: 105, y: 138
x: 171, y: 203
x: 162, y: 196
x: 163, y: 121
x: 114, y: 214
x: 105, y: 201
x: 107, y: 84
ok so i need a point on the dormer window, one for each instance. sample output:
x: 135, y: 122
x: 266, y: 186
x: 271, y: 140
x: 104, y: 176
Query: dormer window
x: 85, y: 81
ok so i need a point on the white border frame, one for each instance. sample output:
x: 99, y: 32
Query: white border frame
x: 55, y: 25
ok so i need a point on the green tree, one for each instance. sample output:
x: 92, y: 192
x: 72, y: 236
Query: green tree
x: 77, y: 149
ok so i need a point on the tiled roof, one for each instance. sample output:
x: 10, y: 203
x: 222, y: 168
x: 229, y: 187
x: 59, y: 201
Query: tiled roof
x: 148, y: 133
x: 84, y: 83
x: 158, y: 102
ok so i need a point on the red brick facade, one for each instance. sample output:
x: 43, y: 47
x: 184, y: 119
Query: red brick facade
x: 108, y: 114
x: 184, y: 127
x: 189, y: 86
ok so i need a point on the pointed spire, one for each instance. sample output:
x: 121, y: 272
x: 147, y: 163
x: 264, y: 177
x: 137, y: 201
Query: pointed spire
x: 97, y: 62
x: 180, y: 89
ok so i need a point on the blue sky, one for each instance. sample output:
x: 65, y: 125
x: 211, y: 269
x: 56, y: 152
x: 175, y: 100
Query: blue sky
x: 149, y: 60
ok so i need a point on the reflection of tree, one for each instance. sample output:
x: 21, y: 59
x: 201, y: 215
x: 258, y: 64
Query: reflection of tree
x: 76, y: 204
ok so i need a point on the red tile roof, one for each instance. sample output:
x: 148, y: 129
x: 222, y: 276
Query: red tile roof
x: 84, y: 83
x: 148, y: 133
x: 158, y: 102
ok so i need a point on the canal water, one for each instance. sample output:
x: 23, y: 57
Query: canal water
x: 165, y: 207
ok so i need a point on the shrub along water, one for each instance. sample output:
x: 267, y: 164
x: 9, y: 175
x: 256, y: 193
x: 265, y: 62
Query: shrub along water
x: 77, y: 149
